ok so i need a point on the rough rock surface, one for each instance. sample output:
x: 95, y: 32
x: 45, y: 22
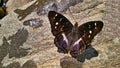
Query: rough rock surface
x: 23, y: 47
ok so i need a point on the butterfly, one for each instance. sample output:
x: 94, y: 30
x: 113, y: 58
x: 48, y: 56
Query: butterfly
x: 71, y: 38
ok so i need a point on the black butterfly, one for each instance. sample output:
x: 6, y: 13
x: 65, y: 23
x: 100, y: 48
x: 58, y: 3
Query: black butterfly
x: 72, y: 39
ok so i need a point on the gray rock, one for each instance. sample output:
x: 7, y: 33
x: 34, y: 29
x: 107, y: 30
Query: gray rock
x: 21, y: 47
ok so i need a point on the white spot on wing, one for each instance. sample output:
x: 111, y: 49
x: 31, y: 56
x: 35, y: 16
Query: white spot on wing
x: 55, y: 27
x: 95, y: 27
x: 55, y: 16
x: 89, y: 36
x: 95, y: 24
x: 56, y: 23
x: 90, y: 32
x: 60, y: 19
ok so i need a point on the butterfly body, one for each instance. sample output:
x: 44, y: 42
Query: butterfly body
x: 70, y: 38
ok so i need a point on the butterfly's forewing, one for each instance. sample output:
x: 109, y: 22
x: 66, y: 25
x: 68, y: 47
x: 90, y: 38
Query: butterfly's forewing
x: 60, y: 27
x: 59, y: 23
x: 86, y: 32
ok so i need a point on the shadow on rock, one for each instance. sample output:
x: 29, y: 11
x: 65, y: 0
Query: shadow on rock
x: 70, y: 62
x: 89, y: 53
x: 16, y: 41
x: 13, y: 46
x: 4, y: 49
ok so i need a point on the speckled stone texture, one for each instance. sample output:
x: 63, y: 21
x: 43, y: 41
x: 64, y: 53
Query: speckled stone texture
x: 23, y: 47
